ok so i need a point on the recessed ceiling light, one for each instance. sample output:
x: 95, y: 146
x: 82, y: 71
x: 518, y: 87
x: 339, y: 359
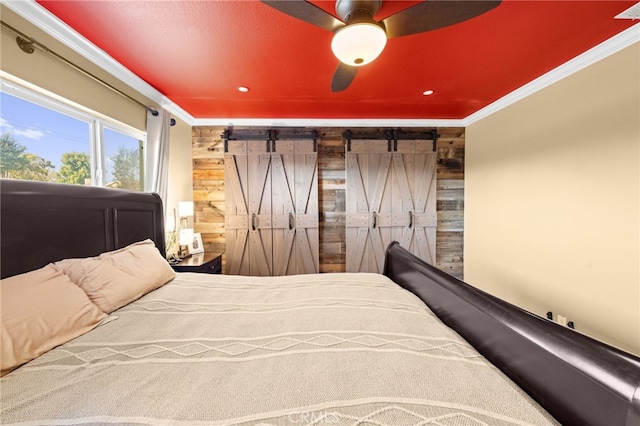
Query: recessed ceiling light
x: 427, y: 92
x: 243, y: 89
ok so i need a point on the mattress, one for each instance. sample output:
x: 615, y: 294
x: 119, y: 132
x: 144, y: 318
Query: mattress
x: 340, y: 349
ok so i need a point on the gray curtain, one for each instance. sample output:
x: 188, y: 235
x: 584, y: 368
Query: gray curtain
x: 156, y: 176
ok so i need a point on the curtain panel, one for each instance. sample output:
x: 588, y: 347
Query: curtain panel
x: 157, y: 153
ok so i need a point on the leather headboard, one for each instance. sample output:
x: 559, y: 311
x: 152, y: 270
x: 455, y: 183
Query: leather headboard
x: 46, y: 222
x: 578, y: 380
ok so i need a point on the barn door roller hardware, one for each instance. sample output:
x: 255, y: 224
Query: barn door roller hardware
x: 392, y: 136
x: 270, y: 136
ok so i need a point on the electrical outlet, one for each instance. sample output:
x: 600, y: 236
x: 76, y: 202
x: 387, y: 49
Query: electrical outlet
x: 562, y: 320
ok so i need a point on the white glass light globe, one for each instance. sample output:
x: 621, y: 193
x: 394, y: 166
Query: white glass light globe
x: 358, y: 44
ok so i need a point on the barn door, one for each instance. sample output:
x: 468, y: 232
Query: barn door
x: 294, y: 183
x: 271, y: 207
x: 416, y: 160
x: 248, y: 209
x: 391, y: 191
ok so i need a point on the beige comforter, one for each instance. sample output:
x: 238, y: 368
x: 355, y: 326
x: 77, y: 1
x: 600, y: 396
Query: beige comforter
x: 339, y: 349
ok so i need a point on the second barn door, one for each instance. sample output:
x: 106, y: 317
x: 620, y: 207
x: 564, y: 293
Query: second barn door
x: 271, y: 218
x: 294, y: 207
x: 391, y: 196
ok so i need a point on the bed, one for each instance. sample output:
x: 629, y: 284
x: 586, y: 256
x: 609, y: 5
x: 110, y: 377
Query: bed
x: 413, y: 346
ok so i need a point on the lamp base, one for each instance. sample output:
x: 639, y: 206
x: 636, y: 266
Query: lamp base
x: 183, y: 252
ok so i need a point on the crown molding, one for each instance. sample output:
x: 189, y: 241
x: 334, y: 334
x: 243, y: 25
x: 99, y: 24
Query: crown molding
x: 608, y: 47
x: 327, y: 122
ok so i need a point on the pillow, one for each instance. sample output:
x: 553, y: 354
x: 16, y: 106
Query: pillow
x: 119, y: 277
x: 41, y: 309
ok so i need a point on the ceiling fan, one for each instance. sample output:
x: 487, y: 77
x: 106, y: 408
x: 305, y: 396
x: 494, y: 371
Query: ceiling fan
x: 359, y: 39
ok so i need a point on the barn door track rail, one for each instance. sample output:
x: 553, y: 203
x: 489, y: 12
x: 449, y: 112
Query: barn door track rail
x: 270, y: 136
x: 392, y: 136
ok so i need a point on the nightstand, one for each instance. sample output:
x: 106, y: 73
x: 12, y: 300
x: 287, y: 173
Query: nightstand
x: 205, y: 263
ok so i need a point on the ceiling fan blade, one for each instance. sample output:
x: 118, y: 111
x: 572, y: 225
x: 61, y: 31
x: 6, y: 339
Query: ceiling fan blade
x: 434, y: 14
x: 306, y: 12
x: 343, y: 77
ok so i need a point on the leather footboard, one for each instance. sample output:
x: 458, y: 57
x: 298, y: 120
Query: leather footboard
x: 577, y: 379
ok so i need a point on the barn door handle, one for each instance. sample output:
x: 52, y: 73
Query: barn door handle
x: 410, y: 219
x: 375, y: 220
x: 290, y: 221
x: 253, y: 221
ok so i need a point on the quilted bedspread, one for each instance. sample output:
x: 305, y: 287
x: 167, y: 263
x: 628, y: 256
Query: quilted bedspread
x: 339, y: 349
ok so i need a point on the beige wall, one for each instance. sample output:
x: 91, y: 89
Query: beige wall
x: 49, y: 73
x: 552, y: 207
x: 180, y: 168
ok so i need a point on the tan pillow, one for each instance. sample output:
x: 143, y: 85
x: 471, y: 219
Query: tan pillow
x: 41, y: 309
x: 119, y: 277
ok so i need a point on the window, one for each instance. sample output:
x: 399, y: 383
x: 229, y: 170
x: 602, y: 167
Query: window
x: 123, y: 166
x: 44, y: 139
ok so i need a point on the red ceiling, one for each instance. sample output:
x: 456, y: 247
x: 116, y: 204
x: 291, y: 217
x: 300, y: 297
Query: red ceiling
x: 198, y: 52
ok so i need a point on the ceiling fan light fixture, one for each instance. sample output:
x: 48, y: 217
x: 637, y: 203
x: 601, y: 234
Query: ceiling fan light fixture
x: 359, y: 43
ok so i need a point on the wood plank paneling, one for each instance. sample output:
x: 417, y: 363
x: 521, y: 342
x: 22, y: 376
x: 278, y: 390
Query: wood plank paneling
x: 209, y: 190
x: 450, y: 201
x: 331, y: 200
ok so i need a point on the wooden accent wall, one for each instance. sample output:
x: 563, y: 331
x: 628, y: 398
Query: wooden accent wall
x: 209, y: 203
x: 450, y: 201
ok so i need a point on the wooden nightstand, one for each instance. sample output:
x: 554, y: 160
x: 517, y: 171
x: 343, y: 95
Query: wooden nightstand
x: 206, y: 263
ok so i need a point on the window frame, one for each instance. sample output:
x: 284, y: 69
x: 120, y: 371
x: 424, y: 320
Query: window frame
x: 97, y: 122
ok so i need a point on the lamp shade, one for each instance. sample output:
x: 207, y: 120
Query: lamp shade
x: 186, y: 236
x: 358, y: 44
x: 185, y: 208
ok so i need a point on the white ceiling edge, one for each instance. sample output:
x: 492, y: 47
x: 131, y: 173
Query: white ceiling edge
x: 49, y: 23
x: 42, y: 18
x: 608, y: 47
x: 328, y: 122
x: 632, y: 13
